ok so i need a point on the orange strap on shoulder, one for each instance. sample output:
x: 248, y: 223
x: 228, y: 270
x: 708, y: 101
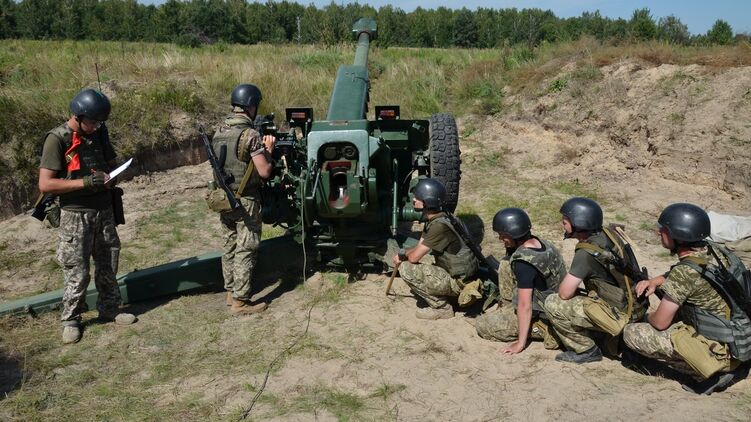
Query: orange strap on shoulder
x: 71, y: 156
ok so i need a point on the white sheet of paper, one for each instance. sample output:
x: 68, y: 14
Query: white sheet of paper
x: 119, y: 170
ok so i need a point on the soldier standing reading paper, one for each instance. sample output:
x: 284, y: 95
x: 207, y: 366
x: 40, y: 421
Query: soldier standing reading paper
x: 76, y: 159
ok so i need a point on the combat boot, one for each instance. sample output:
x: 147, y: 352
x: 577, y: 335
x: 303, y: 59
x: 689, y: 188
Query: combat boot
x: 241, y: 307
x: 591, y: 355
x: 717, y: 382
x: 444, y: 312
x: 229, y: 299
x: 71, y: 334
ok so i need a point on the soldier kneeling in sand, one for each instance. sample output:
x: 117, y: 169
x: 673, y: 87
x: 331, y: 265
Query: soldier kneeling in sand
x: 531, y: 270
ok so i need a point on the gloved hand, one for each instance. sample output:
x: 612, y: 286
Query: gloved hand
x: 95, y: 180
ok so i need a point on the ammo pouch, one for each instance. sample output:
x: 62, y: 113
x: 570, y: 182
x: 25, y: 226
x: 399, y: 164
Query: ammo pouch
x: 604, y: 316
x: 609, y: 293
x: 542, y: 330
x: 471, y: 293
x: 217, y: 200
x: 52, y: 214
x: 705, y: 356
x: 491, y: 293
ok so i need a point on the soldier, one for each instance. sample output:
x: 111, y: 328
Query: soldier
x: 573, y: 315
x: 531, y: 271
x: 700, y: 344
x: 76, y: 159
x: 454, y: 261
x: 241, y: 228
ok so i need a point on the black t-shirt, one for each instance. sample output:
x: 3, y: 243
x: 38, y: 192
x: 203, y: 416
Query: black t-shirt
x: 527, y: 276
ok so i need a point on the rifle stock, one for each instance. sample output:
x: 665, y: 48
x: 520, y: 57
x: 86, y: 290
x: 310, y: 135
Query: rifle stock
x: 219, y: 175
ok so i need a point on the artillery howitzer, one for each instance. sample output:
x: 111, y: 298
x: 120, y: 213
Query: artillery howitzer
x: 342, y: 185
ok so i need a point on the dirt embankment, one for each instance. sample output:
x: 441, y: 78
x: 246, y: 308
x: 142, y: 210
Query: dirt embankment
x: 646, y: 134
x: 18, y: 196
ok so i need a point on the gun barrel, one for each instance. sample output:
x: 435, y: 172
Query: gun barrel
x: 363, y: 46
x: 349, y: 99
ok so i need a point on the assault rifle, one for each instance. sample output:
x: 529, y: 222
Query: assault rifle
x: 730, y: 287
x: 490, y: 262
x: 217, y: 164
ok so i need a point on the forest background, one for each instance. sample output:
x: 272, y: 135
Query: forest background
x: 197, y: 22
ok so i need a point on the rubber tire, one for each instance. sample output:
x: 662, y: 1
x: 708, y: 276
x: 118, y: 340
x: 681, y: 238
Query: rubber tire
x: 445, y: 161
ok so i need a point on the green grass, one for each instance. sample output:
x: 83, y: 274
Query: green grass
x: 677, y: 118
x: 165, y: 230
x: 334, y: 289
x: 648, y: 226
x: 558, y: 85
x: 386, y: 391
x: 311, y: 399
x: 150, y: 365
x: 739, y: 142
x: 576, y: 188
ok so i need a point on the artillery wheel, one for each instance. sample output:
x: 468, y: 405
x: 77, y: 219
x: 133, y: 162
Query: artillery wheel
x: 444, y: 155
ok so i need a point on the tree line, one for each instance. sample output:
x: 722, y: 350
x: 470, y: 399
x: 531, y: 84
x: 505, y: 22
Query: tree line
x: 196, y: 22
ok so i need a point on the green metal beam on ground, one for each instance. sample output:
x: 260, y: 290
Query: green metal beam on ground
x: 191, y: 275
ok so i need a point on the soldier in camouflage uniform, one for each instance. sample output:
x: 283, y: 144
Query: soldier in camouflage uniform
x: 531, y: 271
x: 76, y: 158
x: 241, y: 228
x: 454, y: 261
x: 582, y: 220
x: 685, y: 292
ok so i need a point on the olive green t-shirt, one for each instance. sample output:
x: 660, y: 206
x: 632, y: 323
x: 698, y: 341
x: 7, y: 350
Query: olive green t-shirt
x: 53, y: 158
x: 684, y: 285
x: 439, y: 237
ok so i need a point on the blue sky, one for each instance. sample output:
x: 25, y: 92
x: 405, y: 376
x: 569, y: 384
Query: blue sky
x: 699, y: 15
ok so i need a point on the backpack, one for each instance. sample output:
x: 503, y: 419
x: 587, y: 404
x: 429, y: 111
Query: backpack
x: 733, y: 283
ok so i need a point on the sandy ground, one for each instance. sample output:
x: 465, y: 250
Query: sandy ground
x: 448, y: 373
x: 640, y: 137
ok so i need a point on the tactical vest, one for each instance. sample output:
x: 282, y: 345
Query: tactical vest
x: 463, y: 264
x: 228, y: 135
x: 620, y: 294
x: 734, y: 327
x: 549, y: 263
x: 90, y: 154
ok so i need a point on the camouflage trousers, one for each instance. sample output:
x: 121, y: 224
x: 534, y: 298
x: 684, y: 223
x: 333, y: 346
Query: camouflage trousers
x: 241, y: 230
x: 430, y: 282
x: 648, y: 341
x: 571, y: 323
x: 83, y: 235
x: 502, y: 325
